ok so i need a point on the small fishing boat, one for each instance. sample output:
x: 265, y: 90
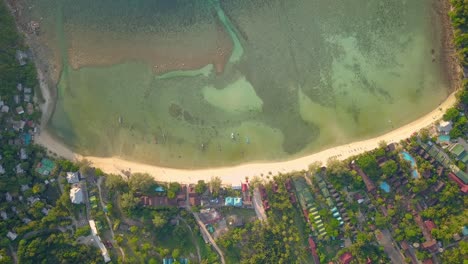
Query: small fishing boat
x: 233, y: 136
x: 120, y: 120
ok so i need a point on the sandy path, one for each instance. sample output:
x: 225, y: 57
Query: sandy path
x: 235, y: 174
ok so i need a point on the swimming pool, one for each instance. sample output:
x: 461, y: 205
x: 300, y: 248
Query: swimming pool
x: 384, y: 186
x: 444, y: 138
x: 409, y: 158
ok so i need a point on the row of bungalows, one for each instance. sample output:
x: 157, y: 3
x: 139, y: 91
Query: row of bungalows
x: 324, y: 189
x: 308, y: 206
x: 180, y: 200
x: 456, y: 175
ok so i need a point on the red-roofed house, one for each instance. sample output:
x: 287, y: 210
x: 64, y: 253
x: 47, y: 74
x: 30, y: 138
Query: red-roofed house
x: 246, y: 197
x: 431, y: 245
x: 430, y: 225
x: 461, y: 184
x: 244, y: 187
x: 313, y: 250
x: 306, y: 215
x: 370, y: 186
x: 346, y: 258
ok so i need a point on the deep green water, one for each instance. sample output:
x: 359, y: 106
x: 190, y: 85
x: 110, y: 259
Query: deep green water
x: 303, y: 75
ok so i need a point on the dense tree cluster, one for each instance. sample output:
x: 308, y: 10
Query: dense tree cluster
x: 278, y: 241
x: 56, y: 248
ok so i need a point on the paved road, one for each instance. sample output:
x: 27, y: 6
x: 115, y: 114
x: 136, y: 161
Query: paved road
x: 385, y: 239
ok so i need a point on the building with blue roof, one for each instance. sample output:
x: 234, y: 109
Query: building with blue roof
x: 159, y: 189
x: 229, y: 201
x: 238, y: 201
x: 465, y: 230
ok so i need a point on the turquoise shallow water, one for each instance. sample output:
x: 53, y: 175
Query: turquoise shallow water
x: 299, y: 76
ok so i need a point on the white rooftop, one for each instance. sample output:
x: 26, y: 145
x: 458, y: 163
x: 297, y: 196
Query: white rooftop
x: 76, y: 194
x: 98, y: 241
x: 12, y: 236
x: 73, y: 177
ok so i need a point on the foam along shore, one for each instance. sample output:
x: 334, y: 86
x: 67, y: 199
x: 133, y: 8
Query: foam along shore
x: 234, y: 175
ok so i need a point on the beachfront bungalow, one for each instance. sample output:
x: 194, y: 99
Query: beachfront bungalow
x: 237, y: 202
x: 229, y: 201
x: 445, y: 127
x: 45, y: 167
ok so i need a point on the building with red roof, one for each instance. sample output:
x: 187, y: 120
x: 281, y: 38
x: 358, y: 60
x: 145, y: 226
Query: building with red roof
x: 244, y: 187
x: 459, y: 182
x: 430, y: 245
x: 346, y: 258
x: 313, y: 250
x: 429, y: 225
x: 370, y: 186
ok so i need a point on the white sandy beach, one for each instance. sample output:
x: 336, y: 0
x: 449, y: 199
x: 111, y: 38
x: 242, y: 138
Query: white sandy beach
x: 236, y: 174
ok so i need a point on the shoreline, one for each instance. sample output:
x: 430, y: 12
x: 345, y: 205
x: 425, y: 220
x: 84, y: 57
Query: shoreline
x: 235, y: 174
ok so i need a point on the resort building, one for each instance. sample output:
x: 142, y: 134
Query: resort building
x: 346, y: 258
x: 461, y: 179
x: 233, y: 201
x: 73, y: 177
x: 459, y: 151
x: 76, y: 194
x: 444, y: 127
x: 45, y: 167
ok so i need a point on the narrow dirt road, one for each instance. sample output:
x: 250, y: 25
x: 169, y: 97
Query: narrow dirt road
x: 107, y: 218
x: 203, y: 229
